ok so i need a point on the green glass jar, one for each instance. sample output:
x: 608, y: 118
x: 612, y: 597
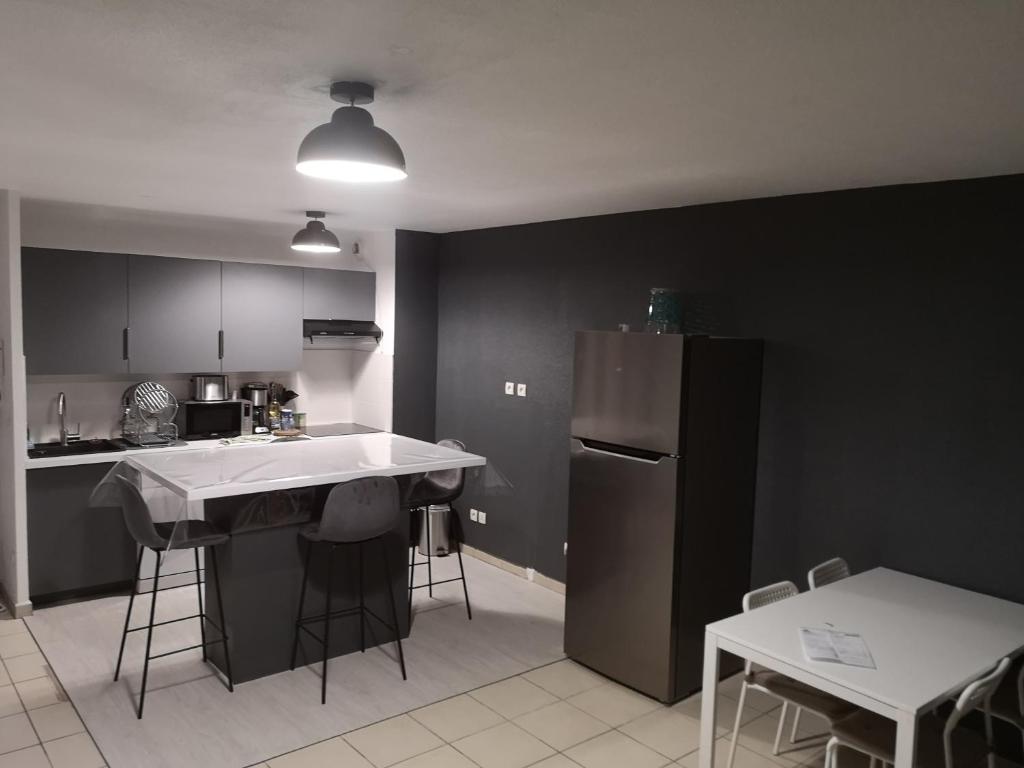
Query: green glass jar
x: 664, y: 311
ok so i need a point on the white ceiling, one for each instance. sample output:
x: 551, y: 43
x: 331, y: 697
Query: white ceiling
x: 508, y: 110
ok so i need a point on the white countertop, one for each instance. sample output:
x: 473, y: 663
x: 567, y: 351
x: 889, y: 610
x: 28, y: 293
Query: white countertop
x: 112, y: 457
x: 216, y: 471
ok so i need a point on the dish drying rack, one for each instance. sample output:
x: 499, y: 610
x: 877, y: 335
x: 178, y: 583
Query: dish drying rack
x: 149, y: 411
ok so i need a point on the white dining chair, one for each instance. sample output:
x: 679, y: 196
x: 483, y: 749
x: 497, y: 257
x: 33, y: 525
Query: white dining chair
x: 875, y: 736
x: 786, y: 689
x: 1008, y: 701
x: 828, y: 572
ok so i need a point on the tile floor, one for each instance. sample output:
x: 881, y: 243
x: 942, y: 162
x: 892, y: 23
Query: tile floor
x: 560, y: 715
x: 563, y: 715
x: 516, y: 627
x: 553, y: 715
x: 39, y: 727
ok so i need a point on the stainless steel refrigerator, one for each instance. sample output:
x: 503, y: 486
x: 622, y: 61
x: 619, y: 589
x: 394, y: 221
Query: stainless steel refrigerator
x: 662, y: 472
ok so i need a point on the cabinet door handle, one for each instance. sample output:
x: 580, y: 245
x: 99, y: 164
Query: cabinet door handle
x: 124, y: 344
x: 220, y: 344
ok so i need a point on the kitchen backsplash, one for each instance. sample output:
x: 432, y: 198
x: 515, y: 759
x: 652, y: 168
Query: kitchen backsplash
x: 333, y: 385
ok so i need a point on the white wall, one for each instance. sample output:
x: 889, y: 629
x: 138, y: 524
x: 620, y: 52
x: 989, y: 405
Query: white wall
x: 324, y: 384
x: 373, y: 373
x: 74, y: 226
x: 13, y: 533
x: 379, y: 255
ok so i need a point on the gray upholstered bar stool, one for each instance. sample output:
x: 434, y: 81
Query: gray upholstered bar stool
x: 355, y: 514
x: 158, y: 538
x: 438, y: 488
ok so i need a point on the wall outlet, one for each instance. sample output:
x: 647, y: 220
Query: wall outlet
x: 521, y: 390
x: 482, y: 517
x: 510, y: 388
x: 473, y: 515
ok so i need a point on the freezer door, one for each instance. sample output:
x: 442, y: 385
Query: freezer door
x: 627, y: 389
x: 620, y: 567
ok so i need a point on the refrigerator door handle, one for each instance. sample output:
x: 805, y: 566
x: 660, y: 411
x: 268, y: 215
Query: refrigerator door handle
x: 591, y: 449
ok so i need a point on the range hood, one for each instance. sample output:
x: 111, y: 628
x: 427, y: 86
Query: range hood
x: 340, y: 334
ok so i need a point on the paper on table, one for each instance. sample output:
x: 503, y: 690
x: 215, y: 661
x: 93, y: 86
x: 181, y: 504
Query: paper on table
x: 837, y: 647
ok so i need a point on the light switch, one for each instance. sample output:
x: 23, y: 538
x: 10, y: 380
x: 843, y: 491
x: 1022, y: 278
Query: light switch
x: 473, y: 514
x: 521, y: 390
x: 482, y: 517
x: 510, y: 388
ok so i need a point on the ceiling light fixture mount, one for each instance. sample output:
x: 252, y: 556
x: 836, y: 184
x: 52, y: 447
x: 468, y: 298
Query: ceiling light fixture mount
x: 350, y: 147
x: 352, y: 94
x: 315, y: 237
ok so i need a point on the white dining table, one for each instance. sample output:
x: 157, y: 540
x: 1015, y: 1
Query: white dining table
x: 928, y: 641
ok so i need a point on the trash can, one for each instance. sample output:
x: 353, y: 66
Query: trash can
x: 436, y: 517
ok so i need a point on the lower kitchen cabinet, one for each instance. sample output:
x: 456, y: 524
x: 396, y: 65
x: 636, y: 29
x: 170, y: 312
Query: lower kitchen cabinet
x: 74, y: 549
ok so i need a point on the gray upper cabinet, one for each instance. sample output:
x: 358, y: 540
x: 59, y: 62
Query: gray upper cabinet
x: 262, y: 313
x: 338, y: 294
x: 75, y: 306
x: 173, y: 315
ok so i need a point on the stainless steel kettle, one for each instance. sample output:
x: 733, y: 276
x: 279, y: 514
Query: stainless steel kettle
x: 255, y: 392
x: 207, y: 387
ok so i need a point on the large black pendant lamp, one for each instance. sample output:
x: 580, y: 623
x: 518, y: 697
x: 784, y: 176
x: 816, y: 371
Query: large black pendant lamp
x: 315, y: 238
x: 351, y: 147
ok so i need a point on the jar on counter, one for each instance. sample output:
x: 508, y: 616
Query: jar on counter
x: 274, y: 414
x: 287, y: 419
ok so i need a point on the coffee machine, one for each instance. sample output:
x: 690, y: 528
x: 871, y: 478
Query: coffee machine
x: 256, y: 393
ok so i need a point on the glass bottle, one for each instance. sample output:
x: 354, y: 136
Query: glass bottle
x: 274, y: 414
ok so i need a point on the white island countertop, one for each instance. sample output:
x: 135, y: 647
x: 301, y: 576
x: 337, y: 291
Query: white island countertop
x: 238, y: 469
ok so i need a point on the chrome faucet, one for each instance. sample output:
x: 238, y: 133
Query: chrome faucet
x: 62, y: 412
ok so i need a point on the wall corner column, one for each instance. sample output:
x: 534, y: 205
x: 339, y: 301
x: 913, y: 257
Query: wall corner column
x: 13, y: 517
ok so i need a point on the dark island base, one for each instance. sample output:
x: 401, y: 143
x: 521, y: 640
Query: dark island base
x: 261, y: 575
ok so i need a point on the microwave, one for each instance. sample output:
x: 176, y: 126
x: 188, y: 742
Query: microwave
x: 208, y: 420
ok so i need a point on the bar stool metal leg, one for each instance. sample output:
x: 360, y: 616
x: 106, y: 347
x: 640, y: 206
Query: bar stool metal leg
x: 412, y: 577
x: 199, y: 594
x: 128, y: 618
x: 149, y: 634
x: 327, y: 626
x: 456, y: 539
x: 302, y: 601
x: 150, y: 536
x: 462, y: 571
x: 394, y: 609
x: 465, y: 589
x: 220, y: 614
x: 362, y: 601
x: 430, y: 553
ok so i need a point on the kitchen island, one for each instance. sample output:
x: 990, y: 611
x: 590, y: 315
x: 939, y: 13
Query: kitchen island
x: 262, y: 494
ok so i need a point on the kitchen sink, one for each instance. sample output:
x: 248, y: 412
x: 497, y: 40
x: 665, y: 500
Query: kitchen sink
x: 76, y: 448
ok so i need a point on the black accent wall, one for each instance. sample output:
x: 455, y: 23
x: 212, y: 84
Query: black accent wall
x: 892, y: 420
x: 415, y: 366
